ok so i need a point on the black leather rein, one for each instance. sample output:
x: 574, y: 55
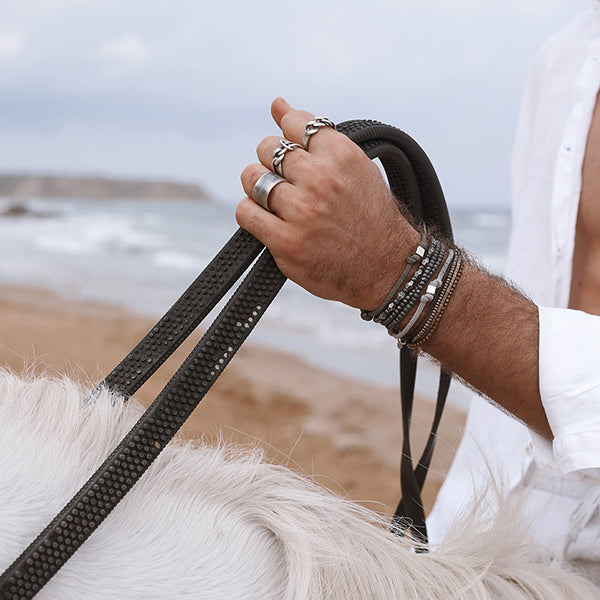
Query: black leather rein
x: 414, y: 183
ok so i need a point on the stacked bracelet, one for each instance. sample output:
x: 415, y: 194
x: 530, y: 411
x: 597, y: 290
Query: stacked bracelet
x: 424, y: 332
x: 406, y: 299
x: 433, y: 258
x: 426, y: 298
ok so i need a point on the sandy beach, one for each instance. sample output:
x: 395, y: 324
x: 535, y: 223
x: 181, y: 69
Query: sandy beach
x: 345, y: 433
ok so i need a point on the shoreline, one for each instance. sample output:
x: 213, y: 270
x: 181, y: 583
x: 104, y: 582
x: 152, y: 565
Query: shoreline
x: 344, y: 432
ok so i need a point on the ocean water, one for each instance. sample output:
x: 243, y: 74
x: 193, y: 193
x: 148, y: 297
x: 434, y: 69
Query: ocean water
x: 142, y: 254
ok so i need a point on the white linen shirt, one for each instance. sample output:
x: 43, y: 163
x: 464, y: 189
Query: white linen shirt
x: 563, y: 506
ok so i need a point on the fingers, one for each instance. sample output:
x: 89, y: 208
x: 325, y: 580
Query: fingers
x: 279, y: 108
x: 336, y: 230
x: 259, y: 222
x: 250, y: 175
x: 291, y: 121
x: 291, y: 158
x: 326, y: 145
x: 293, y: 125
x: 279, y: 198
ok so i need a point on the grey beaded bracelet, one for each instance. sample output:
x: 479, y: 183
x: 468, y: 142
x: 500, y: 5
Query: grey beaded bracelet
x: 410, y: 295
x: 405, y: 301
x: 408, y: 291
x: 436, y: 297
x: 428, y: 296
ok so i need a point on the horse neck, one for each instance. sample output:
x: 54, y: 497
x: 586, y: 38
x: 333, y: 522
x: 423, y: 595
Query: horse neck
x: 215, y: 522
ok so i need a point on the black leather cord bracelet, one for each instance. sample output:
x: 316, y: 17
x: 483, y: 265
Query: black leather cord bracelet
x: 401, y: 306
x: 407, y: 292
x: 414, y: 258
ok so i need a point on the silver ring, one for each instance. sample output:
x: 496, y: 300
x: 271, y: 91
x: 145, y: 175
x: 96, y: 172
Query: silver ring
x: 279, y: 154
x: 263, y: 187
x: 313, y: 126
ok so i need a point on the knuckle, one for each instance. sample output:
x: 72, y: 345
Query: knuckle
x: 327, y: 182
x: 301, y: 169
x: 285, y: 120
x: 245, y: 175
x: 248, y: 174
x: 345, y: 150
x: 265, y: 145
x: 255, y: 172
x: 296, y: 246
x: 242, y: 214
x: 294, y: 121
x: 249, y: 217
x: 255, y: 223
x: 318, y: 209
x: 311, y: 207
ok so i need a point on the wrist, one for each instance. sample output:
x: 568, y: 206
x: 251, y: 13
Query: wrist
x: 417, y: 301
x: 386, y: 276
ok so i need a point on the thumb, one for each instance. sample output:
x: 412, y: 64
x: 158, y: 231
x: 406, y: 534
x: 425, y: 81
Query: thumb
x: 279, y: 108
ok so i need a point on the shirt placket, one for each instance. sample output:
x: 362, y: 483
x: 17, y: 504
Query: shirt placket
x: 567, y: 180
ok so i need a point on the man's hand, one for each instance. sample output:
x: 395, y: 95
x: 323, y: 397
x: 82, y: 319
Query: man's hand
x: 335, y: 228
x: 336, y: 231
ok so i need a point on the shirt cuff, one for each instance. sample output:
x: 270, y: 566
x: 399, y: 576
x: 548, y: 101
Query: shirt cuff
x: 569, y: 369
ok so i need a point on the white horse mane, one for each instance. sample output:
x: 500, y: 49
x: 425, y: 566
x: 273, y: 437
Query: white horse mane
x: 220, y: 522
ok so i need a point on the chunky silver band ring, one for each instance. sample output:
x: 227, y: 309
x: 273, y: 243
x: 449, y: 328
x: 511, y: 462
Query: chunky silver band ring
x: 263, y: 187
x: 279, y: 154
x: 313, y: 126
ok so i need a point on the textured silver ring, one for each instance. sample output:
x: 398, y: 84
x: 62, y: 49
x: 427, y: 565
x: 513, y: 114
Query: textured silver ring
x: 263, y: 187
x: 313, y: 126
x: 279, y: 155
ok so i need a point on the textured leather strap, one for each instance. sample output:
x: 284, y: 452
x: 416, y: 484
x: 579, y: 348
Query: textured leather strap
x: 410, y: 514
x: 185, y: 315
x: 128, y: 462
x: 415, y: 185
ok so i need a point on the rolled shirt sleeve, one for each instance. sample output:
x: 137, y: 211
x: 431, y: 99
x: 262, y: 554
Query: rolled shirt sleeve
x: 569, y: 369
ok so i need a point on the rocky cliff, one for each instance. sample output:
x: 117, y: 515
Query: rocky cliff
x: 24, y: 186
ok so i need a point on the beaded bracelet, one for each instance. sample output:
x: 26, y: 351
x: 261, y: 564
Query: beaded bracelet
x: 405, y: 305
x: 426, y: 323
x: 405, y: 301
x: 418, y: 254
x: 434, y: 317
x: 427, y: 297
x: 398, y: 305
x: 408, y: 291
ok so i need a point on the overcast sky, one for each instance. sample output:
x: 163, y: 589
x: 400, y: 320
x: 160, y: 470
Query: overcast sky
x: 181, y: 88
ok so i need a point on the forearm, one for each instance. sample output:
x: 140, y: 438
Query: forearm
x: 334, y: 228
x: 489, y: 337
